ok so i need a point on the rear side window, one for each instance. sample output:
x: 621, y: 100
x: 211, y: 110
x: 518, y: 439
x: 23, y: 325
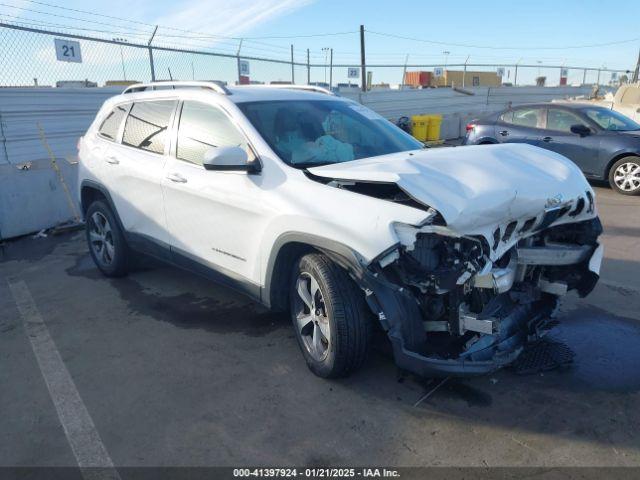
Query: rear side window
x: 203, y: 127
x: 528, y: 117
x: 147, y: 124
x: 111, y: 124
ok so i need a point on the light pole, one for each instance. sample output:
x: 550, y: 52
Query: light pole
x: 446, y: 56
x: 124, y: 72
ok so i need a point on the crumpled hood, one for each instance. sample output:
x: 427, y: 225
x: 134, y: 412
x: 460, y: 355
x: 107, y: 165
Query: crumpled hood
x: 473, y: 186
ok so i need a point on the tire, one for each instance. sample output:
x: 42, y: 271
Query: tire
x: 341, y: 321
x: 106, y: 241
x: 624, y: 176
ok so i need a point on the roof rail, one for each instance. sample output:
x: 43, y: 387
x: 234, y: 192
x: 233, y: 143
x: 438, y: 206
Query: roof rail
x: 141, y: 87
x: 288, y: 86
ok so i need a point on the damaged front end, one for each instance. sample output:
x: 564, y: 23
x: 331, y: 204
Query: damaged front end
x: 458, y: 305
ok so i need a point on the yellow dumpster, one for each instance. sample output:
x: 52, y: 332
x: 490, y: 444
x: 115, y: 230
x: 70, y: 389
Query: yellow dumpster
x: 419, y: 127
x: 433, y: 127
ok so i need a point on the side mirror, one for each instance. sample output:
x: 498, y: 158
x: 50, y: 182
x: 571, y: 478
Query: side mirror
x: 229, y: 159
x: 580, y: 129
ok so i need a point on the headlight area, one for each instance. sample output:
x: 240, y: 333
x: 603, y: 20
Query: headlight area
x: 450, y: 310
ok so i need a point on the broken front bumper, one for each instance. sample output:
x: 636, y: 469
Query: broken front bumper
x: 507, y: 323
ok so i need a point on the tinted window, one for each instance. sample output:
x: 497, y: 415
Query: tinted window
x: 147, y: 124
x: 318, y: 132
x: 203, y: 127
x: 111, y: 125
x: 528, y: 117
x: 561, y: 120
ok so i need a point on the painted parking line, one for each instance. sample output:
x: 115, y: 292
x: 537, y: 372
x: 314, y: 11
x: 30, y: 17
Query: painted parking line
x: 85, y: 442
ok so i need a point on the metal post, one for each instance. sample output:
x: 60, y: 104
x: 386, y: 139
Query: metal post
x: 598, y: 81
x: 636, y: 71
x: 363, y: 63
x: 293, y: 78
x: 584, y: 76
x: 308, y: 69
x: 153, y: 68
x: 330, y: 69
x: 238, y: 62
x: 464, y: 72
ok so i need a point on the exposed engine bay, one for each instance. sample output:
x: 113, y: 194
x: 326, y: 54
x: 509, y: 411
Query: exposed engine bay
x: 476, y: 313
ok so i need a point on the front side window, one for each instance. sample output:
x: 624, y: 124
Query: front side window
x: 111, y: 124
x: 147, y: 124
x: 306, y: 133
x: 611, y: 120
x: 561, y: 120
x: 528, y: 117
x: 203, y: 127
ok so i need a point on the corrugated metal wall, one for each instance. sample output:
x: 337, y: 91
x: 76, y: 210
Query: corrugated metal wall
x: 456, y: 108
x: 33, y: 199
x: 31, y: 196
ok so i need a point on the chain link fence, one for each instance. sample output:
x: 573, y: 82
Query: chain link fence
x: 38, y: 57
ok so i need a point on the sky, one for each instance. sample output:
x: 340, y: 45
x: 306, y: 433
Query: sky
x: 436, y: 32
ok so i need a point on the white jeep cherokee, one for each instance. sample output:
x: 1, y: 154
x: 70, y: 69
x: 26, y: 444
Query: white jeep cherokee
x: 314, y: 204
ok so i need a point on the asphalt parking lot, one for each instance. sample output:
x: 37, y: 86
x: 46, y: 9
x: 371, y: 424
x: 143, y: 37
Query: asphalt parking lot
x: 174, y: 370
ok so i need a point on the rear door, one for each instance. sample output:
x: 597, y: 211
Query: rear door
x: 520, y: 125
x: 557, y: 136
x: 214, y: 217
x: 136, y: 168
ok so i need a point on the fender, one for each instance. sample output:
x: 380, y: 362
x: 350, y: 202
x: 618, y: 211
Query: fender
x: 341, y: 254
x: 103, y: 190
x: 625, y: 152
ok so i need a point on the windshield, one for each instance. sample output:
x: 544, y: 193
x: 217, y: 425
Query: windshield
x: 611, y: 120
x: 307, y: 133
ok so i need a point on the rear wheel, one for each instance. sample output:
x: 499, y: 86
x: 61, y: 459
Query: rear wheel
x: 624, y: 176
x: 106, y: 241
x: 330, y: 317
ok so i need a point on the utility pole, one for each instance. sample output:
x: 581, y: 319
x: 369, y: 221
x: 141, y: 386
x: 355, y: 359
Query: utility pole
x: 238, y: 61
x: 308, y: 69
x: 637, y: 70
x: 293, y: 69
x: 330, y: 69
x: 515, y: 74
x: 584, y: 76
x: 404, y: 72
x: 120, y: 41
x: 153, y: 69
x: 363, y: 63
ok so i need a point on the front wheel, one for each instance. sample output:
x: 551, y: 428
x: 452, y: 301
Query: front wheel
x: 330, y: 317
x: 624, y: 176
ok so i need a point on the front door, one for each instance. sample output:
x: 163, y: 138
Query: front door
x: 214, y: 217
x: 557, y: 136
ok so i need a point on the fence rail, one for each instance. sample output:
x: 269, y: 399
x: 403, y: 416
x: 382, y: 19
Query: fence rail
x: 29, y: 58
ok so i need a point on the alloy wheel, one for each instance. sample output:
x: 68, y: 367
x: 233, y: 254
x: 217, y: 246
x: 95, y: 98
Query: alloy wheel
x: 101, y: 238
x: 627, y: 176
x: 311, y: 316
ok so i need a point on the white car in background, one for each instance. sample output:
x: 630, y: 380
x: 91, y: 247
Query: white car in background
x: 316, y: 205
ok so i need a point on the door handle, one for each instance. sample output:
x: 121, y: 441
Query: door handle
x: 504, y: 133
x: 547, y: 139
x: 177, y: 178
x: 112, y: 160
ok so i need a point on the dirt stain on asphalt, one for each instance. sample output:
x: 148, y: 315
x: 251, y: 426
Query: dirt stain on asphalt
x: 187, y: 310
